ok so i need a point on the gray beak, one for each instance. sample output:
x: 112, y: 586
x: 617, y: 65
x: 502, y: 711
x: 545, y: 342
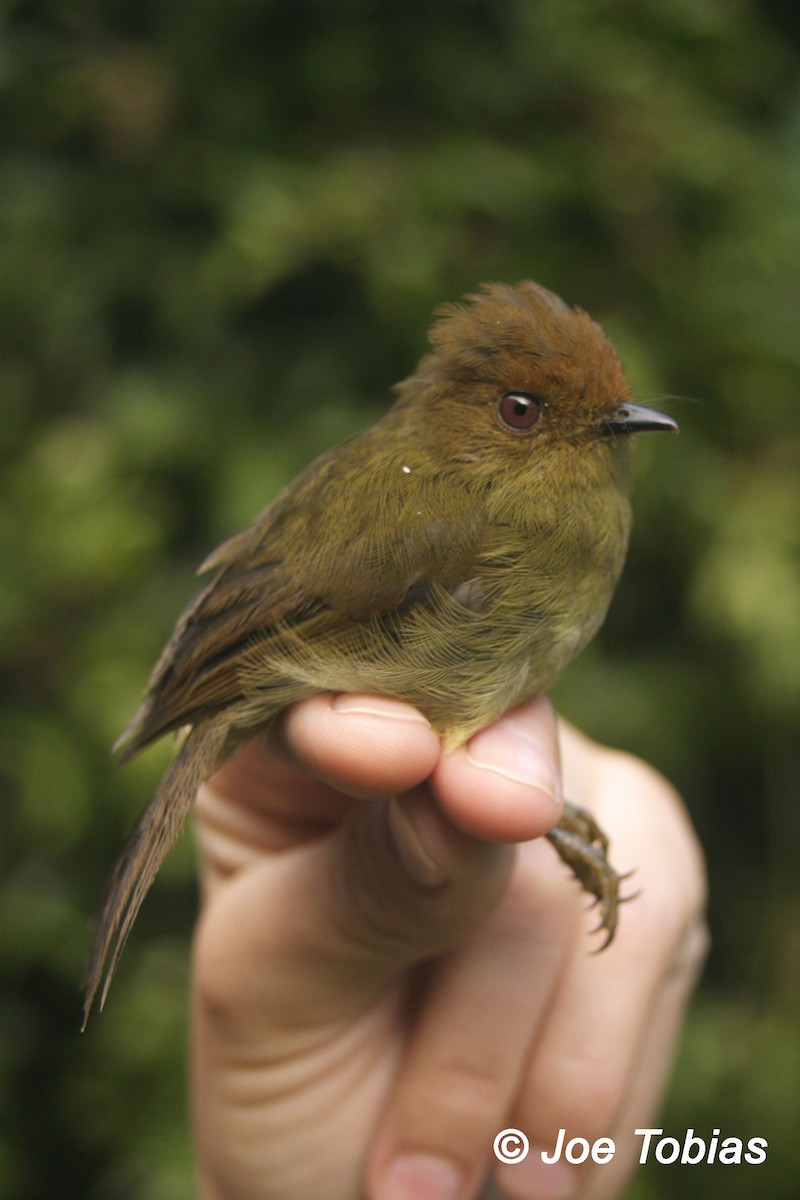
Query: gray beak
x: 635, y: 418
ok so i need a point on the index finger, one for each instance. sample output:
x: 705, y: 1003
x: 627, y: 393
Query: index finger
x: 303, y: 777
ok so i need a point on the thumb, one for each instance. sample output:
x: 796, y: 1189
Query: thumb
x: 407, y: 884
x: 305, y: 939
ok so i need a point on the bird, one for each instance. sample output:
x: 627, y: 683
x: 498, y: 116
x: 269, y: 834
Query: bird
x: 457, y: 555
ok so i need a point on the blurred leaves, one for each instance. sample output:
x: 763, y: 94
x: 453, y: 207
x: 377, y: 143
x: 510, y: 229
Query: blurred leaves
x: 751, y: 570
x: 222, y: 233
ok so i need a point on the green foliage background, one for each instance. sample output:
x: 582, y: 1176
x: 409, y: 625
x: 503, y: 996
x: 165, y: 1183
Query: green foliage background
x: 222, y: 232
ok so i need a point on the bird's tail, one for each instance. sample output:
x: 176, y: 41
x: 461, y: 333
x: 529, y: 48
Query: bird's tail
x: 147, y: 846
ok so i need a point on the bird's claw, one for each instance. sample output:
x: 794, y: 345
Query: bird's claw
x: 583, y: 846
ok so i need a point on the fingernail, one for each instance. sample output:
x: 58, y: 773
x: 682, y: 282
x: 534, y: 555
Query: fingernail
x: 420, y: 1177
x: 511, y: 750
x: 414, y: 828
x: 377, y: 706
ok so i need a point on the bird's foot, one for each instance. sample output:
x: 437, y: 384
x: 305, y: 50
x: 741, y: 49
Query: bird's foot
x: 583, y: 846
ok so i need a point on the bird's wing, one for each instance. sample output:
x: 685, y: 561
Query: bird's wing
x: 295, y: 569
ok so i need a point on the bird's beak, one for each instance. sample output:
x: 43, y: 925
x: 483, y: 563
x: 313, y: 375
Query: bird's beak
x: 635, y: 418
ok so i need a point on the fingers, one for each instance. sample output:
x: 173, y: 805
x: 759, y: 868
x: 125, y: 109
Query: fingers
x: 603, y: 1054
x: 519, y: 1024
x: 524, y: 1027
x: 396, y: 881
x: 281, y: 792
x: 647, y: 1080
x: 393, y: 882
x: 466, y: 1062
x: 367, y: 746
x: 502, y: 785
x: 596, y: 1098
x: 311, y: 937
x: 505, y: 783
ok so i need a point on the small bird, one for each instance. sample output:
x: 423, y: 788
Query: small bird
x: 457, y: 555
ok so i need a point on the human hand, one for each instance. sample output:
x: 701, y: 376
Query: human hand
x: 382, y: 985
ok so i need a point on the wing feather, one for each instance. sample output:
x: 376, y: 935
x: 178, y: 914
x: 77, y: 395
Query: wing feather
x: 290, y: 570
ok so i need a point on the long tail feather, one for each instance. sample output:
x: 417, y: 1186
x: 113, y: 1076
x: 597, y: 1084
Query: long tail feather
x: 147, y: 846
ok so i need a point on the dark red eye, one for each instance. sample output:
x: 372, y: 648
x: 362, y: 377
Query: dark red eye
x: 518, y: 410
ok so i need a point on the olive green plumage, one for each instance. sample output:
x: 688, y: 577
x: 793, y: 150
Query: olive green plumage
x: 457, y: 555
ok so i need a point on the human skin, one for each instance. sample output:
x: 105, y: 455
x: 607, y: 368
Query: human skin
x: 391, y: 966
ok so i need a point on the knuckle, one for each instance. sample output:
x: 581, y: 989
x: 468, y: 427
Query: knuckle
x: 584, y: 1094
x: 691, y: 953
x: 462, y: 1104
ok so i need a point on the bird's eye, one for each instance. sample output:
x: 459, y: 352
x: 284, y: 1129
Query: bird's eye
x: 518, y: 410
